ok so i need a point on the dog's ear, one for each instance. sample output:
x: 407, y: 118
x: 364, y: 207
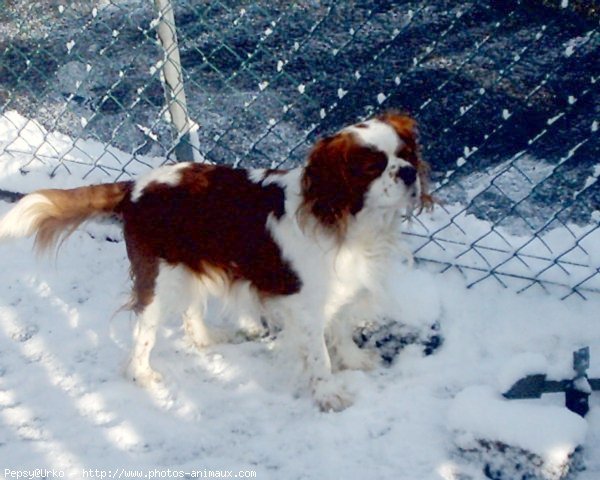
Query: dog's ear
x: 325, y: 185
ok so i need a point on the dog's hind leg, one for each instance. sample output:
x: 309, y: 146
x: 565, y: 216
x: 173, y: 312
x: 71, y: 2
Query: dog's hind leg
x: 193, y: 321
x: 148, y: 307
x: 144, y: 338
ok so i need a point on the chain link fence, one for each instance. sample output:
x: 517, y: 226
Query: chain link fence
x: 505, y: 93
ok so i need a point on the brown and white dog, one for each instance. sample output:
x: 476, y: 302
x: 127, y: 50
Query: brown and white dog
x: 307, y: 246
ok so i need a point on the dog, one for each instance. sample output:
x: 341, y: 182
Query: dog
x: 307, y: 247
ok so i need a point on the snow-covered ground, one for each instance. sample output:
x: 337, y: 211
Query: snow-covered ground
x: 65, y: 405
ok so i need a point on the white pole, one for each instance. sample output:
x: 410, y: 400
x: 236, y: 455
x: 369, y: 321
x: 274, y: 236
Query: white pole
x: 187, y: 147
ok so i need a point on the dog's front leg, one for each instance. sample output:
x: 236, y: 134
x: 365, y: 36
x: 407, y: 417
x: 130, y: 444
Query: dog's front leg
x: 327, y: 390
x: 345, y: 354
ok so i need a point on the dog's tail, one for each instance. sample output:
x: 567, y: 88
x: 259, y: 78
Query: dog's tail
x: 54, y: 214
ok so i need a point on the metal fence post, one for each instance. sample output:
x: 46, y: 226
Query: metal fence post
x: 187, y: 146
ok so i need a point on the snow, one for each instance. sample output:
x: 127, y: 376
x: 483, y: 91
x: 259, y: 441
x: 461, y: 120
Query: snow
x: 65, y: 404
x: 31, y: 157
x: 550, y: 431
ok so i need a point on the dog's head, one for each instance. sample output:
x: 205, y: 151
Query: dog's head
x: 372, y: 165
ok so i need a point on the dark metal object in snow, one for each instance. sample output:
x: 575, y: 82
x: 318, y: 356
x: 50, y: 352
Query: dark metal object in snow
x: 577, y: 390
x: 9, y: 196
x: 389, y: 339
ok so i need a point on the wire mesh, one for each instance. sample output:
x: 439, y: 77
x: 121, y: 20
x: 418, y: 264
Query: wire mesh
x: 505, y: 94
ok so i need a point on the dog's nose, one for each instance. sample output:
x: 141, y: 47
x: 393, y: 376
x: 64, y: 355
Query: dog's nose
x: 408, y: 175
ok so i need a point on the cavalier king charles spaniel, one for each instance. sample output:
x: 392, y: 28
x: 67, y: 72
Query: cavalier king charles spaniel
x: 306, y: 247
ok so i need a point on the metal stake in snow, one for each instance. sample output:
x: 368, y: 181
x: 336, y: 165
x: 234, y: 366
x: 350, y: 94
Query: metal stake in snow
x: 187, y: 147
x: 577, y: 390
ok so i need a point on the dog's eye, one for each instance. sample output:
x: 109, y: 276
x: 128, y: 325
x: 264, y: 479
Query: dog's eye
x: 375, y: 167
x: 366, y: 162
x: 374, y: 163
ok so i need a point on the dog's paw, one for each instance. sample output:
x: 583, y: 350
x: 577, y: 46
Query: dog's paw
x: 144, y: 377
x: 331, y: 396
x: 203, y: 336
x: 355, y: 358
x: 201, y: 341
